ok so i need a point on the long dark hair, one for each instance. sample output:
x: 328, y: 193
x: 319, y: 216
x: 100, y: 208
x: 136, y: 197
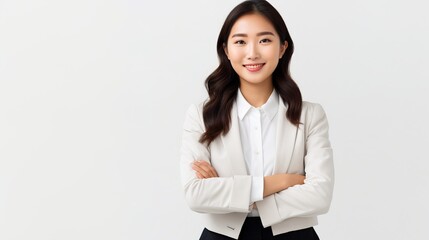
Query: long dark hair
x: 223, y: 83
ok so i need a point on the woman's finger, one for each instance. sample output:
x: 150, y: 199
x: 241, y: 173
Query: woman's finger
x: 208, y: 168
x: 205, y: 169
x: 199, y: 176
x: 200, y: 171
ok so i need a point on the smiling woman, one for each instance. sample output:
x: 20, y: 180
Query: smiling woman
x: 254, y: 156
x: 254, y: 50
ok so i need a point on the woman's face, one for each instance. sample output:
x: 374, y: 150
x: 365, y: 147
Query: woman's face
x: 254, y: 49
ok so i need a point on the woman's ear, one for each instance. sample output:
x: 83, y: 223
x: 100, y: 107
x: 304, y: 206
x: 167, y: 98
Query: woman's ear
x: 283, y: 48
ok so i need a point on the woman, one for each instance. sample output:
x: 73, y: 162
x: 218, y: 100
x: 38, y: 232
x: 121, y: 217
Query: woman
x: 254, y: 156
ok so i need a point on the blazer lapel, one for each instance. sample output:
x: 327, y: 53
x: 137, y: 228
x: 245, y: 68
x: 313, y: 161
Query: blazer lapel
x: 285, y: 140
x: 232, y: 143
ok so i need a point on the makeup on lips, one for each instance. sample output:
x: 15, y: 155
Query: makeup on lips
x: 254, y: 67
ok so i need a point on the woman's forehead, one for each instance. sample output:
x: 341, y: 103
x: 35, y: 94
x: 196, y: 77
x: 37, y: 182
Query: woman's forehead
x: 252, y: 24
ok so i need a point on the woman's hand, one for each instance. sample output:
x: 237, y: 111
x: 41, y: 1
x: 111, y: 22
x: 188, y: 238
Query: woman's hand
x: 204, y: 170
x: 294, y: 179
x: 279, y: 182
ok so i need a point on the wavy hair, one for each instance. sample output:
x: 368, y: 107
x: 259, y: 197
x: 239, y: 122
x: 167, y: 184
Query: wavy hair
x: 223, y: 83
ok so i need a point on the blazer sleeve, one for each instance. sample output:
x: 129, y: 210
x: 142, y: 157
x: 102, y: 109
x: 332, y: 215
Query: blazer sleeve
x: 314, y: 196
x: 212, y: 195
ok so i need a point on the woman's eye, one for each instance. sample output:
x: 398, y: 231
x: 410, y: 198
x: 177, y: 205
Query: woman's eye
x: 266, y: 40
x: 240, y: 42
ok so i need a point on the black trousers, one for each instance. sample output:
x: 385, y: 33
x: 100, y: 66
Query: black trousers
x: 253, y: 230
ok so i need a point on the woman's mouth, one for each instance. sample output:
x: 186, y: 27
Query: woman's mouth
x: 254, y: 67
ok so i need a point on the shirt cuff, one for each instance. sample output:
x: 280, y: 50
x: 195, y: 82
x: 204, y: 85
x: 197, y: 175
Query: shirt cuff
x: 257, y: 189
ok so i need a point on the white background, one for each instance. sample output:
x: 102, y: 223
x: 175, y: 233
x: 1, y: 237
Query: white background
x: 93, y: 96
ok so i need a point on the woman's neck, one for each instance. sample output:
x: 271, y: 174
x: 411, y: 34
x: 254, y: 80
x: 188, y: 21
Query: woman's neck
x: 256, y: 95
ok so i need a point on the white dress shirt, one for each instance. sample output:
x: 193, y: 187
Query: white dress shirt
x: 258, y: 140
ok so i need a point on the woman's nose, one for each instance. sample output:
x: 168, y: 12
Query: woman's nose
x: 252, y: 52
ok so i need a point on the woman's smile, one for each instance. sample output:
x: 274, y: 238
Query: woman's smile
x: 254, y: 67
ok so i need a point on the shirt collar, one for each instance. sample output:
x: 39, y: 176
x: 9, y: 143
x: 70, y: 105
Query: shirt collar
x: 270, y: 108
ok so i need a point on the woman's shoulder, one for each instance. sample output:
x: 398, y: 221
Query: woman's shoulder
x: 311, y: 109
x: 194, y: 115
x: 306, y: 105
x: 196, y: 108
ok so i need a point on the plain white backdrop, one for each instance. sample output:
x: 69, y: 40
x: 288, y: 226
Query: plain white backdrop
x: 93, y: 96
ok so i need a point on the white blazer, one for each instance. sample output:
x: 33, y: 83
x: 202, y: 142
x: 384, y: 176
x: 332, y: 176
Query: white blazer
x: 303, y: 150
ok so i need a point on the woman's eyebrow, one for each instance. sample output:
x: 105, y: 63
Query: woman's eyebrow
x: 264, y: 33
x: 239, y: 35
x: 258, y: 34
